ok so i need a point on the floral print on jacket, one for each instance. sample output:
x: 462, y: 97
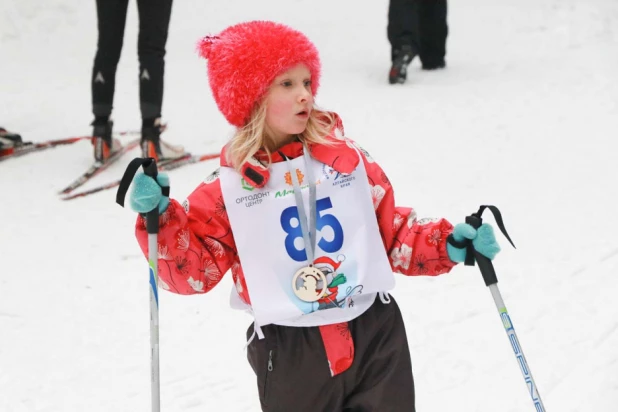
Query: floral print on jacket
x: 196, y: 245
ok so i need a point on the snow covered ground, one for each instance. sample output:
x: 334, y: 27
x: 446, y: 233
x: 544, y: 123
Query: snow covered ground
x: 524, y: 118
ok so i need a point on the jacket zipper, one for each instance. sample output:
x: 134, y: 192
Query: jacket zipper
x: 270, y: 361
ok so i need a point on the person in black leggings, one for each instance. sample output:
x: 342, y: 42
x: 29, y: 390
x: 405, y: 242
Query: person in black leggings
x: 154, y: 18
x: 416, y: 27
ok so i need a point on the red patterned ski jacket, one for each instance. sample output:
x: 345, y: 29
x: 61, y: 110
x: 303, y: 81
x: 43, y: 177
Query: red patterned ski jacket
x: 196, y: 244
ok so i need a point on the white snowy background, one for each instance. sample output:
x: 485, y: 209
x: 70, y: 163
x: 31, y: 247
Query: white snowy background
x: 524, y: 117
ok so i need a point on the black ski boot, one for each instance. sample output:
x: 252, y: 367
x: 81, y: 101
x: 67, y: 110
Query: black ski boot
x: 151, y: 138
x: 401, y: 59
x: 153, y: 146
x: 104, y: 144
x: 432, y: 64
x: 9, y: 141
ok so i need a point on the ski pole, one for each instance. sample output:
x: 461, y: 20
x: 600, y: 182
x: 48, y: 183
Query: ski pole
x: 152, y: 226
x: 491, y: 281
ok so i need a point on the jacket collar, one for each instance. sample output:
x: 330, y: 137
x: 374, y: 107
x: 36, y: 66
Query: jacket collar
x: 339, y: 155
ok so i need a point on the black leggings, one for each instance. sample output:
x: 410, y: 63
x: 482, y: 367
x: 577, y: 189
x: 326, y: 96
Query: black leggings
x: 420, y: 24
x: 154, y: 18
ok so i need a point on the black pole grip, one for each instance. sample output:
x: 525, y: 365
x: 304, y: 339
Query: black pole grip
x: 485, y: 264
x: 475, y: 222
x: 487, y: 269
x: 152, y: 217
x: 150, y: 169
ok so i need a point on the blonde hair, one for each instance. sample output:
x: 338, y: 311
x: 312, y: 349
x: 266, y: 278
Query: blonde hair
x: 252, y: 137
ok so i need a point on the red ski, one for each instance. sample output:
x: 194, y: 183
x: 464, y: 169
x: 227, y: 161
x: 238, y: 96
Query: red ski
x: 163, y: 166
x: 31, y: 147
x: 98, y: 167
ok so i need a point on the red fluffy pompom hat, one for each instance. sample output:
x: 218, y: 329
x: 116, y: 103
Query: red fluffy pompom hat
x: 244, y: 59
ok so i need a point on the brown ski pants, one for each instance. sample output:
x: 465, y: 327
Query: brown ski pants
x: 293, y: 375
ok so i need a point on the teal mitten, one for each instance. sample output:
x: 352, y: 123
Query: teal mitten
x: 146, y: 193
x: 483, y: 240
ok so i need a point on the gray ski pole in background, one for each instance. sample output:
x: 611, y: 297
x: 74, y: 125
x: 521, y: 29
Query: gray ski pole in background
x: 491, y: 281
x: 152, y: 226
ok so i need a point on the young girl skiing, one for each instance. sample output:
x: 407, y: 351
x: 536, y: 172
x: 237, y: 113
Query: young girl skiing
x: 306, y: 221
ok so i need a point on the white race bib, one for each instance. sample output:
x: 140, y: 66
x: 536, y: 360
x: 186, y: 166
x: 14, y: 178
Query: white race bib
x: 349, y: 249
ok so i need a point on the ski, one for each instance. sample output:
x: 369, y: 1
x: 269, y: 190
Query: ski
x: 98, y: 167
x: 164, y: 165
x: 186, y: 160
x: 31, y: 147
